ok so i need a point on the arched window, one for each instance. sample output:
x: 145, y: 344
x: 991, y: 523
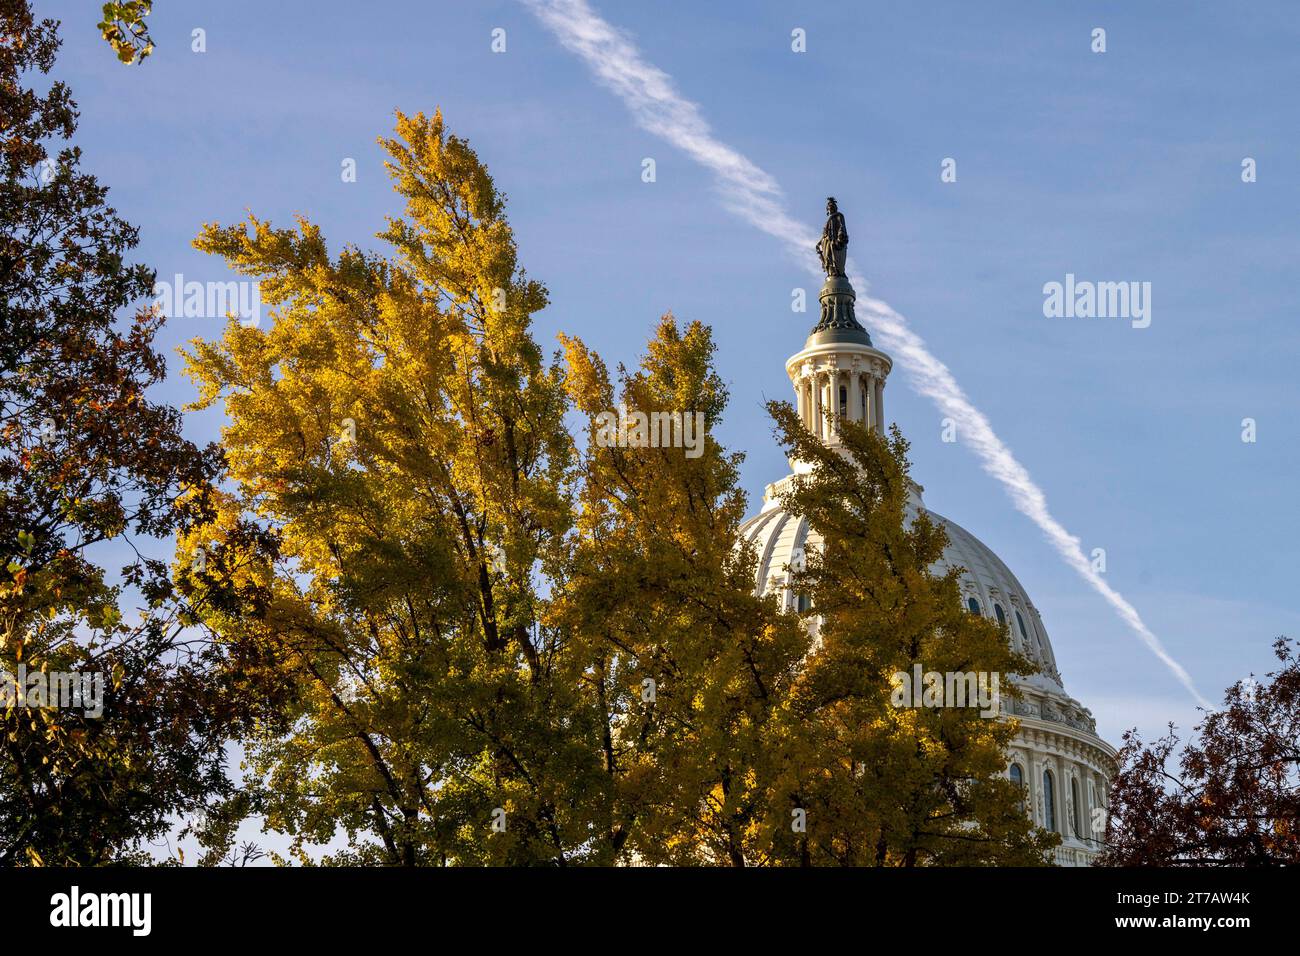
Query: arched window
x: 1002, y: 618
x: 1074, y: 808
x: 1024, y: 634
x: 1018, y: 778
x: 844, y: 402
x: 1049, y: 802
x: 974, y: 606
x: 802, y: 603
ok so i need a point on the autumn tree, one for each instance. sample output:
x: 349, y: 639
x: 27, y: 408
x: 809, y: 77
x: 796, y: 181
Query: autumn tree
x: 689, y: 669
x: 1230, y: 798
x: 398, y: 434
x: 89, y: 467
x: 880, y: 784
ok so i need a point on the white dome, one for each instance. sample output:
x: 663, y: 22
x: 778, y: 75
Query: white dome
x: 779, y: 538
x: 1057, y: 736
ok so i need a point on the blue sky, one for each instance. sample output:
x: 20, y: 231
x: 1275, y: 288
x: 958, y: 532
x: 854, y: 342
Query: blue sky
x: 1117, y: 166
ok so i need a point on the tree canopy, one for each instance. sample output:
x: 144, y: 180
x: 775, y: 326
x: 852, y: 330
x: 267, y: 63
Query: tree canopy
x: 90, y: 467
x: 1230, y: 798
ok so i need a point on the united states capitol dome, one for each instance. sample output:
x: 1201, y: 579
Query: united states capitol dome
x: 1056, y: 755
x: 988, y: 587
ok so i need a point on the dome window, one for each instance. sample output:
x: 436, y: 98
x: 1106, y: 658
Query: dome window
x: 1002, y: 618
x: 1018, y: 778
x: 1049, y: 802
x: 1024, y: 634
x: 802, y: 603
x: 1074, y: 809
x: 974, y: 606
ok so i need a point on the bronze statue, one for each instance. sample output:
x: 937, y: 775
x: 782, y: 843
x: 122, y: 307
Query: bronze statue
x: 833, y: 248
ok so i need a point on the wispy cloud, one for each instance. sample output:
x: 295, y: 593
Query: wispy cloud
x: 755, y: 196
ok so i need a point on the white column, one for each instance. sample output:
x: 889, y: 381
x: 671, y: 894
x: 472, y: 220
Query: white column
x: 828, y: 403
x: 880, y: 405
x: 799, y: 404
x: 815, y: 387
x: 836, y: 376
x: 823, y: 386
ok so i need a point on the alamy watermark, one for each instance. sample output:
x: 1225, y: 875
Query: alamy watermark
x: 1073, y: 299
x: 89, y: 908
x: 65, y: 690
x: 664, y: 429
x: 209, y: 300
x: 950, y: 689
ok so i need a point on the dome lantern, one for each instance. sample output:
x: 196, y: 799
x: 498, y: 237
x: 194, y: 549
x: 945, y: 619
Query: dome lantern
x: 838, y: 370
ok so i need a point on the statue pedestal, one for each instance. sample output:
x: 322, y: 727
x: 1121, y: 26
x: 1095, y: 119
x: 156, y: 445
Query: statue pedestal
x: 837, y: 298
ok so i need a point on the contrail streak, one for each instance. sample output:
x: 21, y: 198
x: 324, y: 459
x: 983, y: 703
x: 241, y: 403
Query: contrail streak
x: 755, y: 196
